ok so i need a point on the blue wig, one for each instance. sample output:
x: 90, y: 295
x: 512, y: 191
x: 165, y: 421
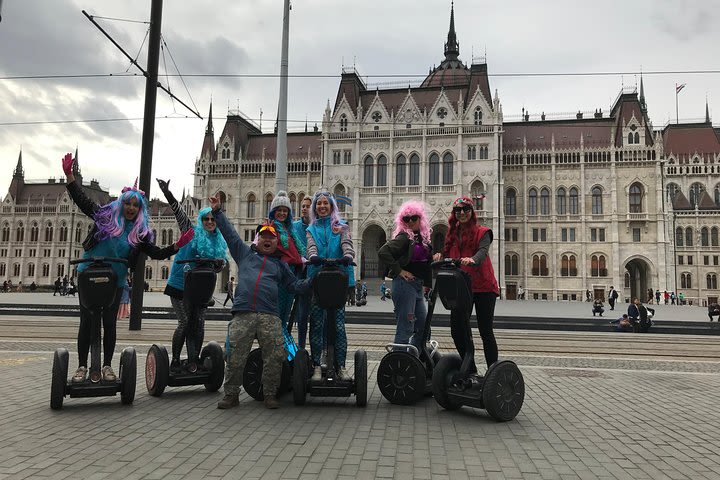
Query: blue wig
x: 208, y: 245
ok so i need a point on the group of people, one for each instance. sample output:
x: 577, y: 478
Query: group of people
x: 637, y: 319
x: 65, y: 286
x: 277, y: 271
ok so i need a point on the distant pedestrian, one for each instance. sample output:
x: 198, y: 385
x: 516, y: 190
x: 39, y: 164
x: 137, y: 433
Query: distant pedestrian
x: 33, y: 287
x: 666, y: 296
x: 230, y: 291
x: 681, y: 299
x: 612, y: 296
x: 598, y: 307
x: 5, y: 286
x: 58, y: 283
x: 521, y: 293
x: 714, y: 311
x: 383, y: 289
x: 588, y: 298
x: 20, y: 287
x: 672, y: 298
x: 65, y: 283
x: 657, y: 297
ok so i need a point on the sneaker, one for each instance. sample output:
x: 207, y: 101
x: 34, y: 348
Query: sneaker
x: 80, y: 375
x: 271, y: 402
x: 107, y: 374
x: 317, y: 374
x: 344, y: 375
x: 229, y: 401
x: 175, y: 366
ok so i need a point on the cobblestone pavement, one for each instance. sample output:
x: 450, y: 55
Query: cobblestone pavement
x: 584, y: 417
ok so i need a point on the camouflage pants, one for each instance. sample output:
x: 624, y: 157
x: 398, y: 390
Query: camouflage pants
x: 242, y: 331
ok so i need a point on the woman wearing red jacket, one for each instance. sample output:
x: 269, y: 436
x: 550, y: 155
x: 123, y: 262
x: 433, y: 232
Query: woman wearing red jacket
x: 470, y: 242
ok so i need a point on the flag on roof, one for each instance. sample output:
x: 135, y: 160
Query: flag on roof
x: 343, y: 199
x: 679, y: 87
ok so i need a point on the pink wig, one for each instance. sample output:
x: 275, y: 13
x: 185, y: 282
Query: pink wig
x: 409, y: 208
x: 110, y: 219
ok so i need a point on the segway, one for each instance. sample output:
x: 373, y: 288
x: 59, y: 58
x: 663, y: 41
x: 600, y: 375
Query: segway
x: 252, y: 374
x: 404, y: 375
x: 207, y: 368
x: 98, y: 288
x: 502, y: 390
x: 330, y: 291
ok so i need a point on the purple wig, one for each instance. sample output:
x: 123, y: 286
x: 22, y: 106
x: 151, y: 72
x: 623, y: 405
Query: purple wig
x: 110, y: 220
x: 335, y: 222
x: 409, y: 208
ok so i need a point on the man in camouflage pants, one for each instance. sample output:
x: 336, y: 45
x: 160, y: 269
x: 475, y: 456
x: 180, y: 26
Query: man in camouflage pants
x: 255, y: 307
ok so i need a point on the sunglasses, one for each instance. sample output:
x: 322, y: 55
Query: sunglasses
x: 466, y: 209
x: 411, y: 218
x: 208, y: 219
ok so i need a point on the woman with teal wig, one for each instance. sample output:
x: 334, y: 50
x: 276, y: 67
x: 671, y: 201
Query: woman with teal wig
x: 207, y: 243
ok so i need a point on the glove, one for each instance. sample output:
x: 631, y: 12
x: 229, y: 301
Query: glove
x: 185, y: 238
x: 315, y: 260
x: 346, y: 260
x: 67, y: 163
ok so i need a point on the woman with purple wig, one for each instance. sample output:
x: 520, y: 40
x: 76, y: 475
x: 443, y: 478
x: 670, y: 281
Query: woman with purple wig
x: 408, y: 256
x: 121, y: 230
x: 328, y: 237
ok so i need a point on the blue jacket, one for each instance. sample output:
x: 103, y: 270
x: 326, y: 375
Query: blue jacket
x: 325, y: 243
x: 301, y: 232
x: 258, y: 275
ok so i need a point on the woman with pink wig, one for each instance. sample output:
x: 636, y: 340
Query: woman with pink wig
x: 408, y: 256
x: 120, y: 230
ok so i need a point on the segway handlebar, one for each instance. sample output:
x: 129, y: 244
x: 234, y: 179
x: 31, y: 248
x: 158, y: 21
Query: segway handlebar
x: 331, y: 261
x: 217, y: 263
x: 450, y: 261
x: 98, y: 260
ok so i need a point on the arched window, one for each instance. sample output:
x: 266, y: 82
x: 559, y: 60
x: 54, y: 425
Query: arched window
x: 696, y: 190
x: 573, y: 266
x: 300, y: 198
x: 148, y: 272
x: 686, y: 280
x: 597, y: 204
x: 343, y: 123
x: 164, y: 237
x: 223, y: 199
x: 679, y: 232
x: 154, y: 235
x: 381, y: 171
x: 78, y: 233
x: 48, y: 232
x: 31, y: 269
x: 627, y: 280
x: 447, y: 169
x: 45, y: 270
x: 688, y: 237
x: 574, y: 209
x: 539, y: 266
x: 20, y: 232
x: 705, y: 237
x: 561, y: 201
x: 637, y: 138
x: 368, y: 171
x: 339, y: 190
x: 711, y: 281
x: 170, y: 235
x: 511, y: 264
x: 6, y: 233
x: 568, y: 266
x: 598, y: 267
x: 545, y: 201
x: 251, y: 200
x: 3, y: 269
x: 510, y: 202
x: 630, y: 138
x: 400, y: 173
x: 16, y: 270
x: 61, y: 269
x: 635, y: 198
x: 477, y: 190
x: 63, y: 233
x: 671, y: 190
x: 34, y: 232
x: 268, y: 202
x: 434, y: 169
x: 532, y: 202
x: 414, y: 173
x: 714, y: 236
x: 478, y: 116
x: 164, y: 272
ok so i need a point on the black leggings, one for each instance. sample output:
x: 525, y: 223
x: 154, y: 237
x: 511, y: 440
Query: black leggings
x: 109, y: 323
x: 182, y: 331
x: 485, y: 311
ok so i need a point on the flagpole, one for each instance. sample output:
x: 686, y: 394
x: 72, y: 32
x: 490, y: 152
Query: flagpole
x: 677, y: 115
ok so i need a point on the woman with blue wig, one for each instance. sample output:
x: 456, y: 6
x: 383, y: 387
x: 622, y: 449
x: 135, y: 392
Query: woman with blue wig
x: 120, y: 230
x: 328, y: 236
x: 207, y: 243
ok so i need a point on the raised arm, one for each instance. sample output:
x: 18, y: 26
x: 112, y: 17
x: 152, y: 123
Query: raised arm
x: 87, y: 206
x: 238, y: 249
x: 182, y: 219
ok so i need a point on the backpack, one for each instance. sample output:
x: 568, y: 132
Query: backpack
x: 614, y: 294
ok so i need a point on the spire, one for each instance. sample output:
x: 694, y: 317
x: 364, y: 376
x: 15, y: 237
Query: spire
x: 182, y: 199
x: 19, y: 172
x: 643, y: 106
x: 452, y: 47
x: 76, y: 165
x: 707, y: 112
x: 209, y: 129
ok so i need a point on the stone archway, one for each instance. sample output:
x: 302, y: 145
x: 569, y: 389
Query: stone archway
x: 640, y: 277
x: 372, y: 239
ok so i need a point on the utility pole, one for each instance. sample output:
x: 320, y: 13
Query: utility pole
x: 281, y: 149
x: 148, y: 135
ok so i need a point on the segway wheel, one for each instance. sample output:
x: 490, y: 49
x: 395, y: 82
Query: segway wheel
x: 401, y: 378
x: 445, y: 371
x: 157, y: 370
x: 59, y: 378
x: 300, y: 376
x: 360, y: 378
x: 213, y: 352
x: 128, y: 375
x: 503, y: 391
x: 252, y: 375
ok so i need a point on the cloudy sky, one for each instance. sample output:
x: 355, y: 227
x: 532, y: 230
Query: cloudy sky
x: 398, y: 37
